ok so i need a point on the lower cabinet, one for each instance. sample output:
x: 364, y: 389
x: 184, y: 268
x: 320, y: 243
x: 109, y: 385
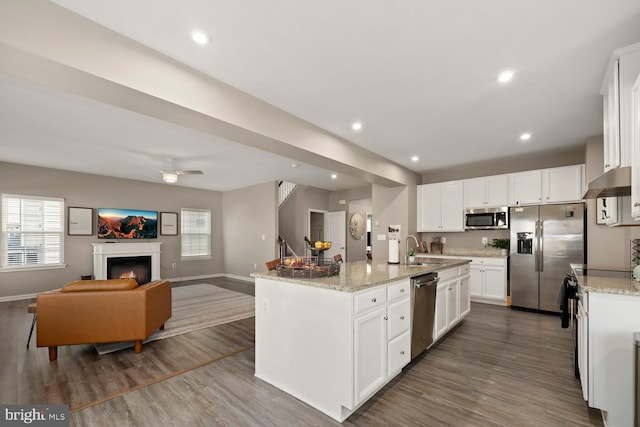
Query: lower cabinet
x: 610, y: 321
x: 370, y: 352
x: 452, y: 299
x: 488, y: 282
x: 381, y: 336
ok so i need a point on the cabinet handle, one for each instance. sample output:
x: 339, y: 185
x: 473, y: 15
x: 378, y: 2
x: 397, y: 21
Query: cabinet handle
x: 401, y: 290
x: 373, y: 300
x: 607, y: 165
x: 636, y: 204
x: 401, y: 317
x: 386, y: 318
x: 402, y: 352
x: 450, y: 289
x: 547, y: 197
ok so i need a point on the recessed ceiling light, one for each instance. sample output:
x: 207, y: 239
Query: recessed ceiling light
x: 525, y: 137
x: 200, y: 37
x: 334, y: 176
x: 505, y: 76
x: 356, y: 126
x: 294, y: 165
x: 415, y: 158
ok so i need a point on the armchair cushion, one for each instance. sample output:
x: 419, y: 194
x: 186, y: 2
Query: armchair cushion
x: 100, y: 285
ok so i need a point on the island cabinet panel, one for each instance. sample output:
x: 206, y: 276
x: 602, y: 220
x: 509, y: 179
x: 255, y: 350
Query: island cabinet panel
x: 370, y: 341
x: 612, y: 320
x: 331, y: 349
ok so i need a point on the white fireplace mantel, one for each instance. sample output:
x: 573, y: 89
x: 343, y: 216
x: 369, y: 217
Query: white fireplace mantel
x: 102, y: 251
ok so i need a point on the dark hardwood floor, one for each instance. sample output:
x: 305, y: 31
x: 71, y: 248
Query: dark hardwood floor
x: 498, y: 368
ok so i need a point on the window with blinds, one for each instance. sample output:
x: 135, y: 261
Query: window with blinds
x: 195, y: 232
x: 32, y: 231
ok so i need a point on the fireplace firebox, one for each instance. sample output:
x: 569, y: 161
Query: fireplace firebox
x: 130, y: 267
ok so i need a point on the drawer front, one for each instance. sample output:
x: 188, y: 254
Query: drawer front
x: 465, y: 270
x: 370, y: 299
x: 398, y: 290
x: 398, y: 353
x: 499, y: 262
x: 449, y: 274
x: 398, y: 318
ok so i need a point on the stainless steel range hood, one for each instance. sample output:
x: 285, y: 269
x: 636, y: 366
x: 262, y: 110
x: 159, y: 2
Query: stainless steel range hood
x: 613, y: 183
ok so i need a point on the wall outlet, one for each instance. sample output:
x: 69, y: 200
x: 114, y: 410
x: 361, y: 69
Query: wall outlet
x: 255, y: 266
x: 484, y: 241
x: 174, y: 265
x: 443, y: 240
x: 263, y: 237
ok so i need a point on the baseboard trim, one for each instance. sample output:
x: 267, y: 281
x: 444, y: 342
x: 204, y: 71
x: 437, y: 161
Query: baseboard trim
x: 18, y: 297
x: 203, y: 276
x: 243, y: 278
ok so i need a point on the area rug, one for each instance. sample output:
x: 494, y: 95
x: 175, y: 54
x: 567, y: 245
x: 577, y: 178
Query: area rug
x: 196, y: 307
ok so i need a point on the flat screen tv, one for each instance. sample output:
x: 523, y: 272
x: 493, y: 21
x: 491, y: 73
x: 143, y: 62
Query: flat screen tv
x: 127, y: 224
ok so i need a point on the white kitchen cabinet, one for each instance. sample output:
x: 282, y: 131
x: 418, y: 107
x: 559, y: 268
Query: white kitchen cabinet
x: 621, y: 74
x: 440, y: 206
x: 464, y: 296
x: 489, y: 191
x: 611, y: 122
x: 452, y: 299
x: 398, y: 354
x: 525, y: 188
x: 489, y: 280
x: 370, y: 353
x: 635, y: 147
x: 441, y: 325
x: 612, y: 320
x: 563, y: 184
x: 382, y: 344
x: 355, y: 342
x: 552, y: 185
x: 453, y: 308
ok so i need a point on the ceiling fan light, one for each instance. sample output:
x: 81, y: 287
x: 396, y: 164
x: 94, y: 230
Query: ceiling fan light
x: 170, y: 177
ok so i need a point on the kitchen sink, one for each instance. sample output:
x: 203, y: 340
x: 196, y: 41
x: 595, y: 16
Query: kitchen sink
x: 424, y: 264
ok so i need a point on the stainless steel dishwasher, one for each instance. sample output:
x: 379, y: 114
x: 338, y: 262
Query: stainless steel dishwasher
x: 423, y: 308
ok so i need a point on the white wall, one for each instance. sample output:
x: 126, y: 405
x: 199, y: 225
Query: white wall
x: 249, y: 214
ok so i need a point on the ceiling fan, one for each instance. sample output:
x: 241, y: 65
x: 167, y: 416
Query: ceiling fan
x: 170, y: 174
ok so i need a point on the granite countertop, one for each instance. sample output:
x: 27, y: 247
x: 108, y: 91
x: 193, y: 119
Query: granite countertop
x: 468, y: 252
x: 607, y: 284
x: 360, y: 275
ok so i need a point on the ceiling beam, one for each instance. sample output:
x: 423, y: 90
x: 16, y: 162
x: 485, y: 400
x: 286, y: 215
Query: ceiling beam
x: 45, y: 43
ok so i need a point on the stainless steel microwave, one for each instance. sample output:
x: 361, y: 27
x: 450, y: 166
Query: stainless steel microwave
x: 486, y: 218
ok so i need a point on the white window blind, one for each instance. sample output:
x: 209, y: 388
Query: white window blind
x: 32, y: 231
x: 195, y: 231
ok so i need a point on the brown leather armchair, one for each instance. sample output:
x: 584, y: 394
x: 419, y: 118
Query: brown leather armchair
x: 101, y: 311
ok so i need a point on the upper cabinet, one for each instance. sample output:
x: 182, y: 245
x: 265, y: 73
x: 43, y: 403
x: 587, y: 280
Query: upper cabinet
x: 488, y: 191
x: 440, y: 206
x: 635, y: 148
x: 553, y: 185
x: 525, y: 188
x: 563, y: 184
x: 620, y: 77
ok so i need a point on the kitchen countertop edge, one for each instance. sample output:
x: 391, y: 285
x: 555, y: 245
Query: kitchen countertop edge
x: 606, y: 285
x: 354, y: 277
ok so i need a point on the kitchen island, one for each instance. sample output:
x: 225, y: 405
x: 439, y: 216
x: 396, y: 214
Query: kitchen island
x: 608, y: 315
x: 333, y: 342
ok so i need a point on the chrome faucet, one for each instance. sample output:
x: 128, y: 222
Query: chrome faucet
x: 406, y: 246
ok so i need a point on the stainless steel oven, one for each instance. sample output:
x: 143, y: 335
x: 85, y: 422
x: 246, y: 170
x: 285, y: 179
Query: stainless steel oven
x: 486, y: 218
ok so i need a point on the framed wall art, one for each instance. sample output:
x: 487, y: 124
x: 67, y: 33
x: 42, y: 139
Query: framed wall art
x: 80, y: 221
x: 169, y: 223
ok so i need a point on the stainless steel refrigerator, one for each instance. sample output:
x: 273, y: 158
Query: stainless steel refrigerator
x: 545, y: 239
